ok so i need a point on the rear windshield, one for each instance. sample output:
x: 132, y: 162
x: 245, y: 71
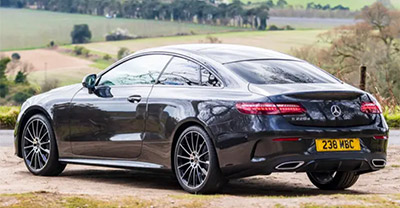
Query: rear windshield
x: 280, y: 72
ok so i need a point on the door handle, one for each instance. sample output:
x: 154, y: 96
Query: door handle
x: 134, y: 98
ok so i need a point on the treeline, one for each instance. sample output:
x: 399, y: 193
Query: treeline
x: 198, y: 11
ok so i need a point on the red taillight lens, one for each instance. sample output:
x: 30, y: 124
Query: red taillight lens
x: 269, y: 108
x: 380, y: 137
x: 370, y: 108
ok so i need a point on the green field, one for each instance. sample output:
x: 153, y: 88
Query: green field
x: 23, y: 28
x: 282, y: 41
x: 352, y: 4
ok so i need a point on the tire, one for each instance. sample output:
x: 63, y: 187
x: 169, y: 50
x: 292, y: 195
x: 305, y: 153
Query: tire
x: 197, y: 170
x: 333, y: 180
x: 39, y: 147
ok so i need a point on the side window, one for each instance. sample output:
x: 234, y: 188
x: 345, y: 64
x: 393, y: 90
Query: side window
x: 208, y: 79
x: 181, y: 72
x: 140, y: 70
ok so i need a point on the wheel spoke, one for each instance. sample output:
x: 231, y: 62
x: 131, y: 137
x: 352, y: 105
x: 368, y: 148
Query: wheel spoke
x: 29, y: 131
x: 30, y: 152
x: 201, y: 146
x: 40, y: 139
x: 194, y: 177
x: 183, y: 157
x: 40, y: 162
x: 191, y: 139
x: 44, y: 150
x: 43, y: 157
x: 187, y: 152
x: 26, y: 138
x: 198, y: 176
x: 204, y: 162
x: 203, y: 154
x: 37, y: 128
x: 188, y: 144
x: 179, y: 167
x: 203, y: 171
x: 197, y: 142
x: 48, y: 142
x: 27, y: 147
x: 40, y: 131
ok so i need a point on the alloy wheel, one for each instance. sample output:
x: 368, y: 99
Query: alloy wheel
x: 192, y: 159
x: 36, y: 144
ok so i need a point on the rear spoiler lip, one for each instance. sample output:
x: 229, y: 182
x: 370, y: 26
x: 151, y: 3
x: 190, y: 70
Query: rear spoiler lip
x: 339, y: 94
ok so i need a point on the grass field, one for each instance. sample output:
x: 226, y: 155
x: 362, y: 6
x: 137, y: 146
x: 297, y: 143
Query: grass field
x: 24, y: 29
x: 352, y: 4
x: 282, y: 41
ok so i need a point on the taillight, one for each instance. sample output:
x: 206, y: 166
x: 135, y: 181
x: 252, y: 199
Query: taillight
x: 380, y: 137
x: 269, y: 108
x: 370, y: 108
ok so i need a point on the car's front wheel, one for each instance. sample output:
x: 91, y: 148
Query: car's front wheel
x: 333, y: 180
x: 195, y: 162
x: 39, y: 148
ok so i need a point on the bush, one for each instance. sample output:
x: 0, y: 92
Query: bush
x: 274, y: 27
x: 15, y: 56
x: 8, y: 116
x: 20, y: 78
x: 81, y: 34
x: 22, y: 95
x: 119, y: 34
x: 122, y: 52
x: 288, y: 27
x: 80, y: 50
x: 107, y: 57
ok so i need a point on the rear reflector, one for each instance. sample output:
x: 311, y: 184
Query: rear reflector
x: 370, y: 108
x: 285, y: 139
x: 269, y: 108
x: 380, y: 137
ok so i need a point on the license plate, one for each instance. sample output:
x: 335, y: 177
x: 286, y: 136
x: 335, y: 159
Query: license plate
x: 330, y: 145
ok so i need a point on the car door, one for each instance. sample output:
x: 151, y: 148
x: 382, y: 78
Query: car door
x: 110, y: 121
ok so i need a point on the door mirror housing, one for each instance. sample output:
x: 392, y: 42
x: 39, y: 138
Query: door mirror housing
x: 89, y: 82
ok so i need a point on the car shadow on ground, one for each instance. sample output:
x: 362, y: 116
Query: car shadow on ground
x: 166, y: 181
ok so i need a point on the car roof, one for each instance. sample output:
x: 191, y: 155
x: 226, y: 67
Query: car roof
x: 225, y: 53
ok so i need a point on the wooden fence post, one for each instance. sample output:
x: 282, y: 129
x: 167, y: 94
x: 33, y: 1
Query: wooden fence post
x: 363, y: 77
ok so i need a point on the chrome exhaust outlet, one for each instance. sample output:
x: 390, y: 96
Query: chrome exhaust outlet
x: 378, y: 163
x: 292, y: 165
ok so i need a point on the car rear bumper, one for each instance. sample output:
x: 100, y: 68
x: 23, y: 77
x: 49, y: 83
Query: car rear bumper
x: 260, y: 154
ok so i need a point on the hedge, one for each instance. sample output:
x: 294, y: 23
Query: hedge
x: 9, y: 114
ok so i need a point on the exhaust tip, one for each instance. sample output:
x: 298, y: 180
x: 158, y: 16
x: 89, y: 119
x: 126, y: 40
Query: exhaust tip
x: 292, y: 165
x: 378, y: 163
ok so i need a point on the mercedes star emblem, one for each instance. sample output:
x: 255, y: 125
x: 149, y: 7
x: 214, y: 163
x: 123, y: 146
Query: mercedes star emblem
x: 336, y: 111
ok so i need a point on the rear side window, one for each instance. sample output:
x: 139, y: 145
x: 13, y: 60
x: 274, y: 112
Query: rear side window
x: 280, y: 72
x: 181, y: 72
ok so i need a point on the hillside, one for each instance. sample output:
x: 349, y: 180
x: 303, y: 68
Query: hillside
x: 23, y: 28
x: 352, y: 4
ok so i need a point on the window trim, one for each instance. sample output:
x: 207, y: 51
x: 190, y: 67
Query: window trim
x: 202, y: 66
x: 166, y: 53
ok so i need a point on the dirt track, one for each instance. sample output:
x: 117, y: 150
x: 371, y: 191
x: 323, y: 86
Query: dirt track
x: 284, y: 189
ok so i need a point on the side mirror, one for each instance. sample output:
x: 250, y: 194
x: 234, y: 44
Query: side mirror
x: 89, y: 82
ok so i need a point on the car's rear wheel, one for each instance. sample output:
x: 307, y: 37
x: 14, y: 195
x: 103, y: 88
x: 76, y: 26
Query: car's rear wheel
x: 39, y: 148
x: 195, y: 162
x: 333, y: 180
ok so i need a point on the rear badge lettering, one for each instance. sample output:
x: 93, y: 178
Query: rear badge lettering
x: 300, y: 119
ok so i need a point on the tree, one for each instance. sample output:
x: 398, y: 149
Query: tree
x: 20, y: 78
x: 373, y: 42
x: 281, y: 3
x: 81, y: 34
x: 3, y: 78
